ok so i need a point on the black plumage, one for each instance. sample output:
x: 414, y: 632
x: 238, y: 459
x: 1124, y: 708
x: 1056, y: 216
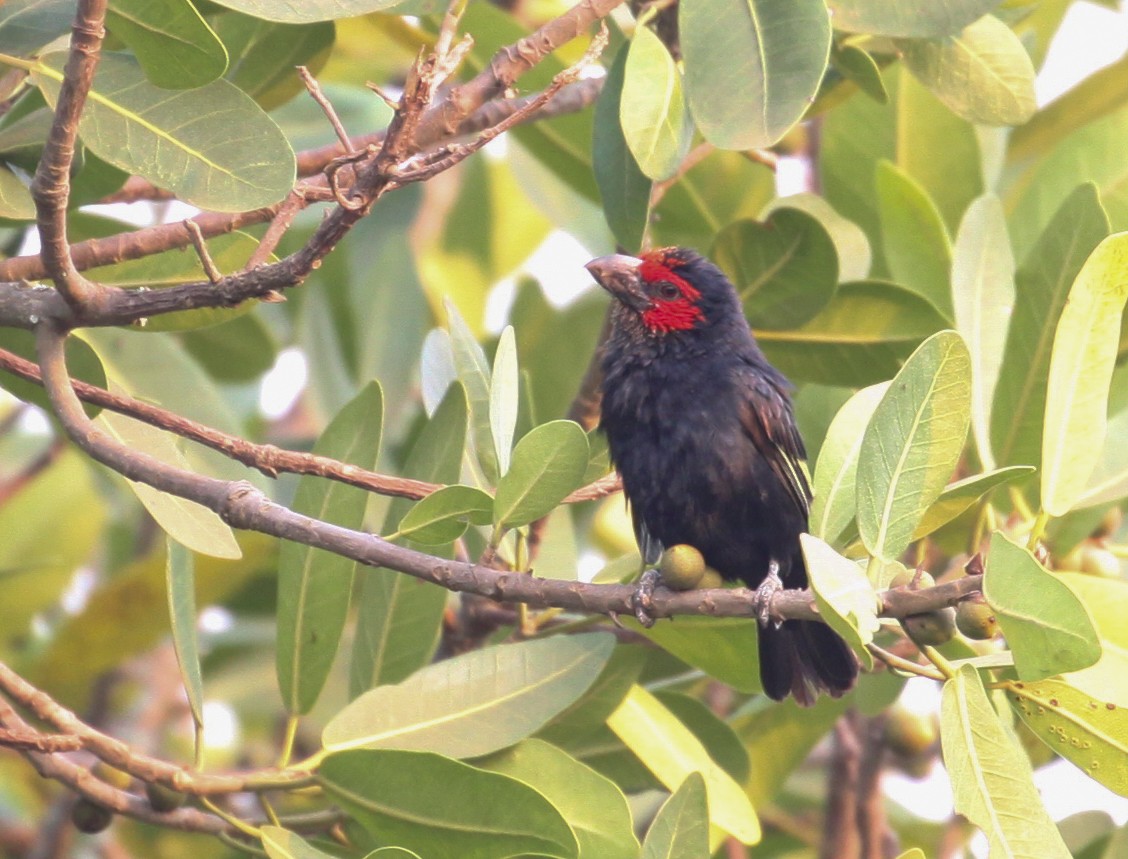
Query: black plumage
x: 701, y: 430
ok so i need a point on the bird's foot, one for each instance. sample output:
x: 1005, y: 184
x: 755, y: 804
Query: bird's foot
x: 765, y: 595
x: 642, y: 601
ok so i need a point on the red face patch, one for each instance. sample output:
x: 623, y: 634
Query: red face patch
x: 676, y: 313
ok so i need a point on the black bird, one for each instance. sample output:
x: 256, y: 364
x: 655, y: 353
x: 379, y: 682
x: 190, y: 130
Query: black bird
x: 701, y: 430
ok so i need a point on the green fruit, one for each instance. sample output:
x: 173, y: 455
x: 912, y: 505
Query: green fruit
x: 711, y: 579
x: 89, y: 817
x: 932, y: 628
x: 1098, y: 561
x: 976, y: 619
x: 910, y: 734
x: 163, y: 798
x: 905, y: 580
x: 112, y: 775
x: 682, y: 567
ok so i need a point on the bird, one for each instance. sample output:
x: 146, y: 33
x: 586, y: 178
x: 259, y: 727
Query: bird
x: 702, y: 432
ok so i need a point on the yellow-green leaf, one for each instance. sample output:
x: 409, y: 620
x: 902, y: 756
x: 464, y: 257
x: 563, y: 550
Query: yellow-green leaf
x: 844, y: 595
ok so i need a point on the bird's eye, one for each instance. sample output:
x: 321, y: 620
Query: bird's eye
x: 668, y: 291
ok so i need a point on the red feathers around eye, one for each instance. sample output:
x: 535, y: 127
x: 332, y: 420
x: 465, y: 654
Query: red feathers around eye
x: 678, y: 314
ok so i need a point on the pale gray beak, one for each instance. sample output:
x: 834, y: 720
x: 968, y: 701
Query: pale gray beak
x: 618, y: 274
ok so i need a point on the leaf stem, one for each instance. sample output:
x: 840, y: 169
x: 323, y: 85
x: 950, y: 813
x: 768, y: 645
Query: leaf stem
x: 231, y: 819
x: 1038, y: 529
x: 942, y: 664
x: 288, y: 742
x: 900, y: 664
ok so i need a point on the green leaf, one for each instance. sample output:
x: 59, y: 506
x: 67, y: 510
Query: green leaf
x: 652, y: 108
x: 594, y: 807
x: 443, y: 516
x: 180, y: 574
x: 1107, y: 603
x: 398, y: 617
x: 983, y: 75
x: 916, y: 243
x: 171, y: 40
x: 751, y: 68
x: 680, y: 829
x: 504, y: 396
x: 1046, y: 626
x: 474, y: 703
x: 281, y: 843
x: 913, y: 442
x: 239, y: 350
x: 82, y: 363
x: 845, y: 597
x: 315, y: 586
x: 263, y: 55
x: 715, y: 734
x: 992, y: 783
x: 850, y: 242
x: 15, y: 198
x: 911, y: 18
x: 623, y: 188
x: 548, y: 464
x: 983, y: 295
x: 671, y: 752
x: 213, y: 147
x: 858, y: 66
x: 474, y: 373
x: 308, y: 11
x: 860, y: 338
x: 1041, y: 286
x: 1081, y: 365
x: 785, y: 270
x: 722, y: 647
x: 836, y: 471
x: 195, y: 526
x: 27, y: 25
x: 1091, y: 734
x: 588, y: 712
x: 959, y: 496
x: 445, y: 809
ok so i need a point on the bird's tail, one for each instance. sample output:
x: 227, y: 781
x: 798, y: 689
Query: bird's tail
x: 802, y: 658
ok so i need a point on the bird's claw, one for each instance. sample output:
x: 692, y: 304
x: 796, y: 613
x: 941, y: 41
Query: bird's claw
x: 765, y: 595
x: 642, y: 601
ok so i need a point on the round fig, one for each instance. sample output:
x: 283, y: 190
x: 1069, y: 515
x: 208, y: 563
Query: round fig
x: 681, y: 567
x: 976, y: 619
x: 90, y: 817
x: 932, y: 628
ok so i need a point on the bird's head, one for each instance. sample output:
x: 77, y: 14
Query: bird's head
x: 667, y: 291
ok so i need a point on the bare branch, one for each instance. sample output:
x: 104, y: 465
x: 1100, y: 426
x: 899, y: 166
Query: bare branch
x: 314, y: 89
x: 210, y: 269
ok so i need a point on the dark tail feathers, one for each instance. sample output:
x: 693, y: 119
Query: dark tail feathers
x: 802, y: 658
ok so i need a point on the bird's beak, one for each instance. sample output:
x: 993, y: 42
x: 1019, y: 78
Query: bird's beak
x: 618, y: 274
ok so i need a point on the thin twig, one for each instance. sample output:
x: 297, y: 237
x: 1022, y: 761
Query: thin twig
x: 210, y: 268
x: 314, y: 89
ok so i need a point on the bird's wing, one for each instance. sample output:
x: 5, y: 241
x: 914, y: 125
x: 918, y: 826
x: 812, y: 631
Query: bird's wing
x: 648, y: 545
x: 765, y: 413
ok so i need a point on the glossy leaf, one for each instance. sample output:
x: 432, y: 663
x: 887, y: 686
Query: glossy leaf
x: 715, y: 734
x: 913, y: 442
x: 1041, y: 286
x: 858, y: 66
x: 474, y: 703
x: 1046, y: 626
x: 961, y: 495
x: 722, y: 647
x: 263, y: 55
x: 785, y: 270
x: 398, y: 617
x: 445, y: 809
x: 916, y: 244
x: 680, y: 829
x: 1081, y: 364
x: 181, y: 583
x: 504, y: 395
x: 281, y: 843
x: 15, y: 198
x: 171, y: 40
x: 315, y: 586
x: 474, y: 373
x: 652, y: 108
x: 548, y: 464
x: 1106, y: 600
x: 992, y: 782
x: 1090, y: 733
x: 860, y: 338
x: 751, y: 68
x: 623, y: 188
x: 211, y: 146
x: 912, y: 18
x: 983, y: 75
x: 191, y: 524
x: 671, y: 752
x: 850, y: 241
x: 27, y: 25
x: 307, y: 11
x: 593, y: 806
x: 443, y: 516
x: 845, y: 597
x: 836, y: 471
x: 239, y: 350
x: 982, y: 296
